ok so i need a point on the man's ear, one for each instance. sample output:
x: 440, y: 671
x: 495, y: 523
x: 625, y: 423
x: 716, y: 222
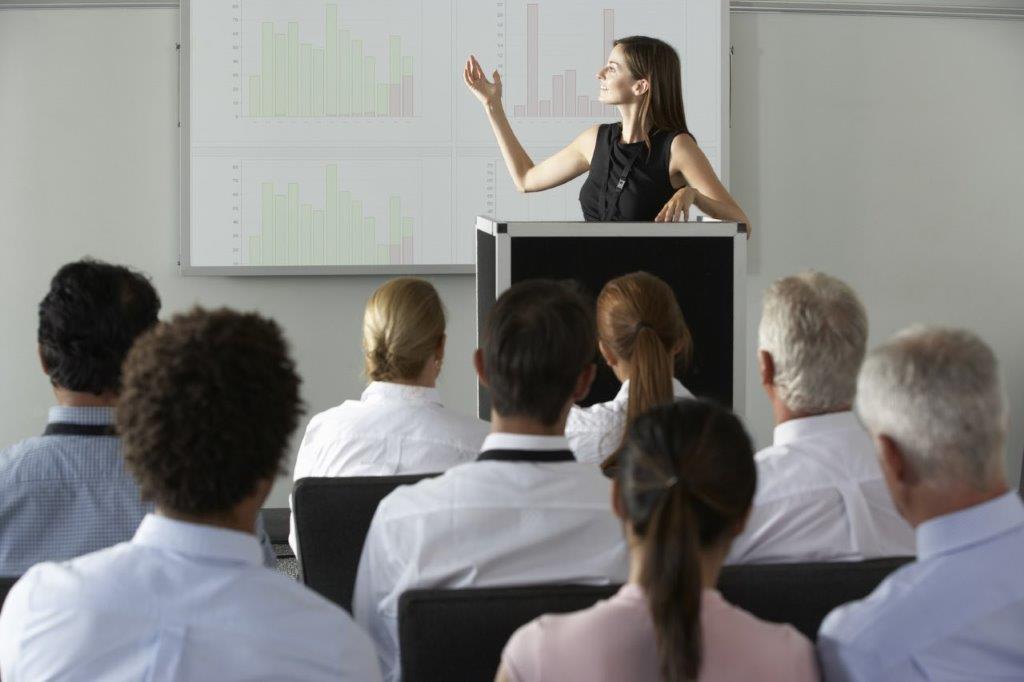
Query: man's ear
x: 766, y: 364
x: 607, y: 354
x: 900, y: 476
x: 478, y: 365
x: 584, y: 381
x: 42, y: 360
x: 895, y: 466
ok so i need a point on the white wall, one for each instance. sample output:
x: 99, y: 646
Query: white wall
x: 887, y: 151
x: 88, y: 165
x: 883, y: 150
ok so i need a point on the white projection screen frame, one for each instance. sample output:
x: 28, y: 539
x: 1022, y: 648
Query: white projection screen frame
x: 421, y: 175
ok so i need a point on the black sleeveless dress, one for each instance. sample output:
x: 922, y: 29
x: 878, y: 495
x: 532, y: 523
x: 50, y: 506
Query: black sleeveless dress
x: 647, y: 186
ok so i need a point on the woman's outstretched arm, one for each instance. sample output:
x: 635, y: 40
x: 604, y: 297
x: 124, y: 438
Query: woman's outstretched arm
x: 570, y: 162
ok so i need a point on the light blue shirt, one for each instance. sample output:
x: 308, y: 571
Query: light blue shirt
x: 63, y: 496
x: 957, y: 613
x: 180, y: 601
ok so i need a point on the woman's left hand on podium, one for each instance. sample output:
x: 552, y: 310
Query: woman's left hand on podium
x: 678, y: 207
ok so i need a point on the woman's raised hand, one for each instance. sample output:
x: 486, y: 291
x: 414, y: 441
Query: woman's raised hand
x: 487, y: 92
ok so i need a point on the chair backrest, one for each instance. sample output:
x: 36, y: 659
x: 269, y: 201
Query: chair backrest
x: 332, y: 516
x: 6, y: 583
x: 802, y: 594
x: 459, y: 634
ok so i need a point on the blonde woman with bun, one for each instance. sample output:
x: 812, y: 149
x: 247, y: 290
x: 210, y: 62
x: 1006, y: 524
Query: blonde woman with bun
x: 398, y: 425
x: 643, y: 337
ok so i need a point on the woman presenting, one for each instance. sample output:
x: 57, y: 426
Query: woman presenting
x: 648, y: 167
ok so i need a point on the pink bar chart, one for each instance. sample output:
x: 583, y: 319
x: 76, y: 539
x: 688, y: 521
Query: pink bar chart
x: 565, y: 99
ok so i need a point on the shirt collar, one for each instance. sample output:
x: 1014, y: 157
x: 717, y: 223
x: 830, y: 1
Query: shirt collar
x: 198, y: 539
x: 797, y: 429
x: 81, y: 415
x: 522, y: 441
x: 385, y: 391
x: 951, y: 532
x: 678, y: 391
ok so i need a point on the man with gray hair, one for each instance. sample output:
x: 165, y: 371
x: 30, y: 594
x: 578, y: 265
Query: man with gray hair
x: 820, y: 493
x: 932, y: 401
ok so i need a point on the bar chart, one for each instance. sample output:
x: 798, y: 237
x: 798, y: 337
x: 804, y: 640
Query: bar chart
x: 292, y: 231
x: 333, y: 74
x: 564, y: 100
x: 337, y: 136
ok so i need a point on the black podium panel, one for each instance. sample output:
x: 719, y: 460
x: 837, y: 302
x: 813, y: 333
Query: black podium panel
x: 699, y: 270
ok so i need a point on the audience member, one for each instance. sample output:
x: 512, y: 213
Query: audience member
x: 641, y: 333
x: 821, y: 496
x: 66, y: 493
x: 932, y: 401
x: 526, y: 511
x: 684, y: 486
x: 399, y: 425
x: 207, y: 407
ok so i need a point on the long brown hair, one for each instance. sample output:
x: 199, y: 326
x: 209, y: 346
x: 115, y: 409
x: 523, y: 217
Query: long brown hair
x: 657, y: 61
x: 639, y: 320
x: 686, y: 479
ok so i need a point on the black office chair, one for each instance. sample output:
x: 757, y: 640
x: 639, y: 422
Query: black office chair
x: 459, y: 634
x: 332, y: 516
x: 802, y: 594
x: 6, y: 583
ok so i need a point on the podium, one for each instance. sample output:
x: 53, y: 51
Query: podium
x: 705, y: 263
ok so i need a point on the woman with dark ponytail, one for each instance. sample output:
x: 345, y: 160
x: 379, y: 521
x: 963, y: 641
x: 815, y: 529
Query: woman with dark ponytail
x: 685, y: 482
x: 644, y: 339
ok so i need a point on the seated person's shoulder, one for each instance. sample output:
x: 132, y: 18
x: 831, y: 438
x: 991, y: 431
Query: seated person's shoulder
x: 287, y: 600
x: 421, y: 497
x: 868, y: 623
x: 611, y: 629
x: 26, y: 460
x: 596, y: 417
x: 57, y: 586
x: 786, y: 471
x: 334, y: 417
x: 778, y: 469
x: 782, y: 652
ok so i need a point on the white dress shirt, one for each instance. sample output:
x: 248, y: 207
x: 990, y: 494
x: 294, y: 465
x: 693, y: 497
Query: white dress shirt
x: 821, y: 497
x: 596, y: 432
x: 488, y: 523
x: 391, y: 430
x: 180, y: 601
x: 957, y: 613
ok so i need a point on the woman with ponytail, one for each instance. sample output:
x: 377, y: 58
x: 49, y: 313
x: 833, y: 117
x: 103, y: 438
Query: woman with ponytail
x: 644, y: 339
x: 398, y: 426
x: 646, y: 167
x: 683, y: 490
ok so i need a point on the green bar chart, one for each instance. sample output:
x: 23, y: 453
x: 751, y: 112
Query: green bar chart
x: 340, y: 231
x: 337, y: 78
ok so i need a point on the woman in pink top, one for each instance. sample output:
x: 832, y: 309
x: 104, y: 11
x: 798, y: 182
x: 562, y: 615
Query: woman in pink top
x: 683, y: 490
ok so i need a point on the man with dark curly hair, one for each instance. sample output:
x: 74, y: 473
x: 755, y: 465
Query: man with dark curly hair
x: 66, y: 493
x: 208, y: 403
